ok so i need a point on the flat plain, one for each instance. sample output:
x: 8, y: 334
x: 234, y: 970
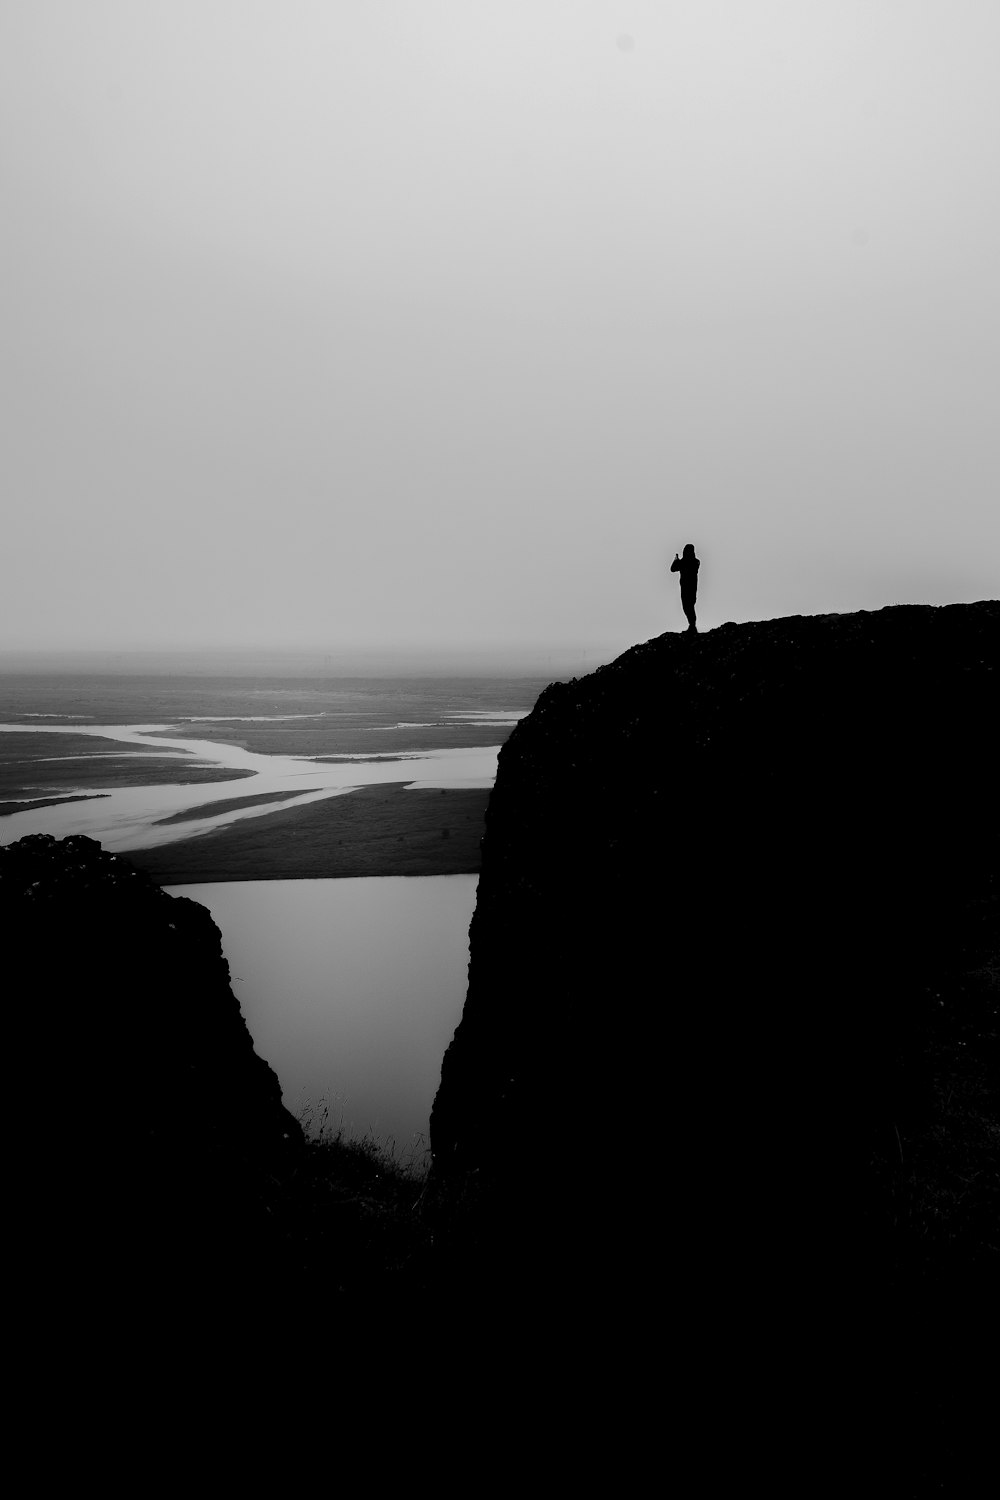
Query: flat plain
x: 383, y: 829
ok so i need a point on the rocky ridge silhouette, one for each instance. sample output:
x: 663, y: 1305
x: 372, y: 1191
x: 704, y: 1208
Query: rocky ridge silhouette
x: 719, y: 1094
x: 158, y: 1135
x: 735, y: 939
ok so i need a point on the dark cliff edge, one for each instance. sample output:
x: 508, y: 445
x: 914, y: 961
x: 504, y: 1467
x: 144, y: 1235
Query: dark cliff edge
x: 152, y: 1139
x: 723, y: 1061
x: 715, y: 1147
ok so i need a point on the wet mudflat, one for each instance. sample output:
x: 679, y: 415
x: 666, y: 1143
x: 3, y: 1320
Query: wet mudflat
x: 372, y: 831
x: 269, y: 748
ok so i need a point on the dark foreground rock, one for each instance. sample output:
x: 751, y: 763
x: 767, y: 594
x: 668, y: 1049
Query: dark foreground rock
x: 153, y: 1139
x: 735, y: 932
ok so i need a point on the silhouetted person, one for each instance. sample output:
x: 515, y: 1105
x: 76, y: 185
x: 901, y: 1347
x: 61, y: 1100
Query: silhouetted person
x: 687, y: 566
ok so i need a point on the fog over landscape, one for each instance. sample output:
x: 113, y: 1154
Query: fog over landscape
x: 499, y: 632
x: 339, y: 328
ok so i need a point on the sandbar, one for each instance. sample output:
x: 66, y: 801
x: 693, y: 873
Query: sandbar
x: 28, y: 804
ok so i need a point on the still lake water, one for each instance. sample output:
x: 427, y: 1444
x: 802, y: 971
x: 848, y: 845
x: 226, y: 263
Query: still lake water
x: 352, y: 990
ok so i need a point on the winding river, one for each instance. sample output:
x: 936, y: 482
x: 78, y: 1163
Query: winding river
x: 131, y: 817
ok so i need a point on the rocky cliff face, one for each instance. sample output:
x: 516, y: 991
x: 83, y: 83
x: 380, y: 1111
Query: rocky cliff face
x: 151, y: 1134
x: 731, y: 886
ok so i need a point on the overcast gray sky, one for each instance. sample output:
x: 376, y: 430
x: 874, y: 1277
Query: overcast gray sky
x: 363, y: 322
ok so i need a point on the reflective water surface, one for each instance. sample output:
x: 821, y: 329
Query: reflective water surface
x: 352, y: 990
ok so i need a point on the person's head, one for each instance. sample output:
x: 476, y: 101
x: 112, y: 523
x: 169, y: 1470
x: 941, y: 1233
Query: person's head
x: 689, y: 550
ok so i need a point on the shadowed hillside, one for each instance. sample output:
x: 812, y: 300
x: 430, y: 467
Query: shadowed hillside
x: 158, y: 1137
x: 715, y: 1147
x: 722, y: 1068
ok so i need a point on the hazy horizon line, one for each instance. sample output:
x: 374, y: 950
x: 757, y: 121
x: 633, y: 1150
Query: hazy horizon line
x: 307, y: 660
x: 485, y: 659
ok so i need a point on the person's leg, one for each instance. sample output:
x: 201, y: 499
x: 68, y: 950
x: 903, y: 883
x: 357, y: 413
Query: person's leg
x: 687, y: 604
